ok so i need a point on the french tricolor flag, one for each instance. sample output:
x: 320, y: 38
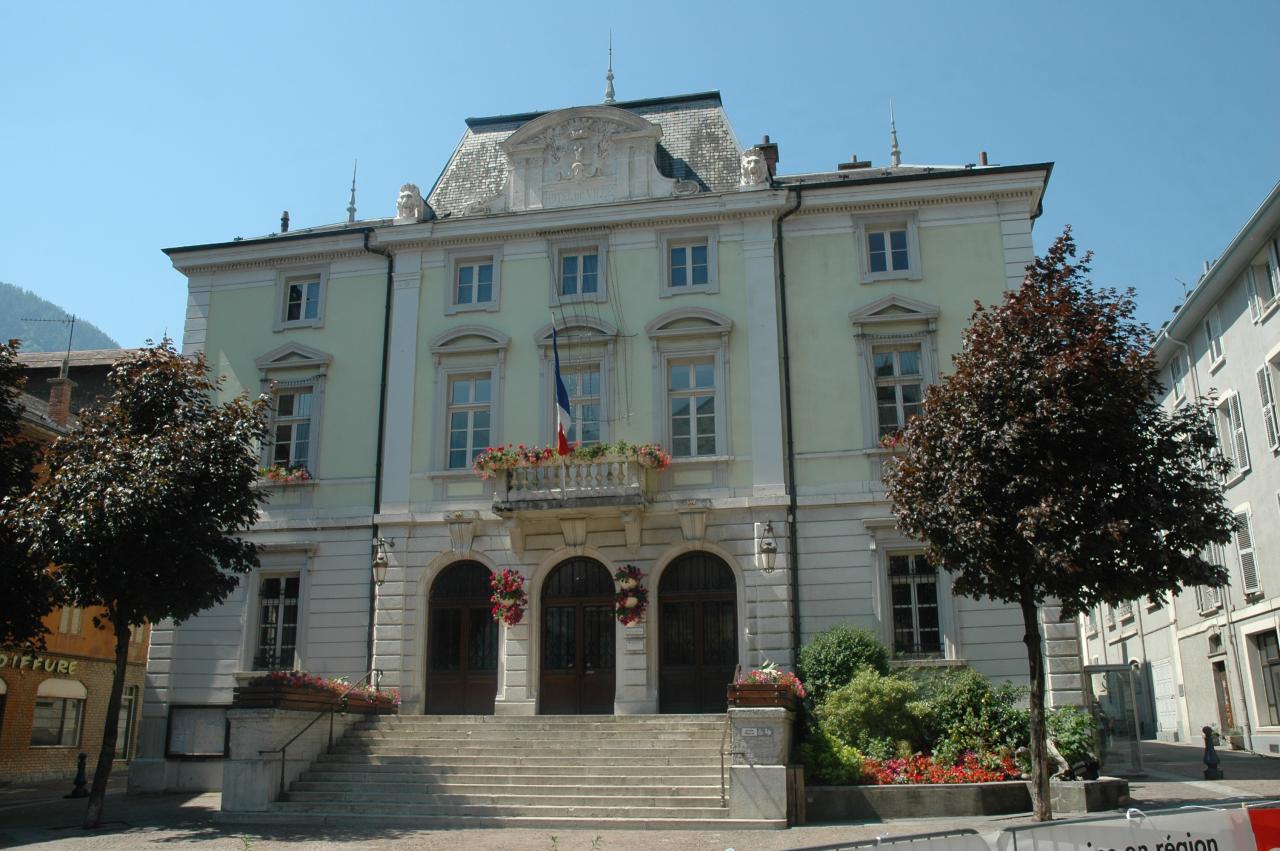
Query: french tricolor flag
x: 564, y: 418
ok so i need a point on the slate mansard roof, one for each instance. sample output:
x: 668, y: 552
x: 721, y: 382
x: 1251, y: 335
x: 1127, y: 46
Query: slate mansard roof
x: 697, y: 144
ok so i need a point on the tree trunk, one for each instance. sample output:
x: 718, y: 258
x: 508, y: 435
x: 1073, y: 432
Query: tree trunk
x: 101, y: 774
x: 1035, y: 661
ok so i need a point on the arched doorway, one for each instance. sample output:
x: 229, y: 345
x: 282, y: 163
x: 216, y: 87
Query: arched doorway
x: 577, y: 676
x: 697, y: 634
x: 462, y: 642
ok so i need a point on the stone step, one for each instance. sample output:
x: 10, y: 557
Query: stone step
x: 550, y: 737
x: 521, y: 720
x: 692, y: 774
x: 563, y: 751
x: 650, y: 760
x: 290, y: 814
x: 451, y: 800
x: 424, y: 809
x: 555, y: 787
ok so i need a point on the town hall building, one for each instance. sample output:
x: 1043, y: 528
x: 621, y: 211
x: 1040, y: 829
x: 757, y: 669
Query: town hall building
x: 766, y: 331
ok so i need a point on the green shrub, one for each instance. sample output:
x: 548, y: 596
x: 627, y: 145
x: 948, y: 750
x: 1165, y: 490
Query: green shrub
x: 1072, y: 730
x: 871, y: 713
x: 959, y: 710
x: 832, y: 657
x: 828, y: 760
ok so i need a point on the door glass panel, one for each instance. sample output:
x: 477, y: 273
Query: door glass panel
x: 559, y: 639
x: 446, y: 639
x: 677, y: 633
x: 598, y: 637
x: 482, y: 640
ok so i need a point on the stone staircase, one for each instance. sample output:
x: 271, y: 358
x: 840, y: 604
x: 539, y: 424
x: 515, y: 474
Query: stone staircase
x: 629, y: 771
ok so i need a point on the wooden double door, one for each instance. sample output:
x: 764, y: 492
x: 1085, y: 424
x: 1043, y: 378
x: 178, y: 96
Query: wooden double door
x: 577, y: 639
x: 697, y: 634
x: 462, y: 642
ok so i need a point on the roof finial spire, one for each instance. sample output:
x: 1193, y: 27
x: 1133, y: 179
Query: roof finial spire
x: 351, y: 205
x: 895, y: 155
x: 608, y: 87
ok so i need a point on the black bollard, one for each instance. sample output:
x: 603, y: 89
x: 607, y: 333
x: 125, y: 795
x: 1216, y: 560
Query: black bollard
x: 1211, y: 761
x: 81, y: 781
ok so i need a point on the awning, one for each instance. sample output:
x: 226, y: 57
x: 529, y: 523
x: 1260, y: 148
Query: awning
x: 57, y: 687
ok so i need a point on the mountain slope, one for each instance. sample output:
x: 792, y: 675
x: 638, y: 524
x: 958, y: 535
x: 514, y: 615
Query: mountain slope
x: 17, y: 306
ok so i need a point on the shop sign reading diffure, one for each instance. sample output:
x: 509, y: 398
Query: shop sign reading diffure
x: 50, y: 664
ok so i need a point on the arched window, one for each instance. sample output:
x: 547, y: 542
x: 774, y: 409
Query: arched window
x: 59, y: 711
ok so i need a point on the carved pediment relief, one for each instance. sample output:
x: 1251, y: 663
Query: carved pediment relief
x: 579, y: 157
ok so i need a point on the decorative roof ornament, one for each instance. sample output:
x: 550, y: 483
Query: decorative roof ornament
x: 608, y: 87
x: 895, y: 155
x: 755, y: 170
x: 409, y: 205
x: 351, y: 205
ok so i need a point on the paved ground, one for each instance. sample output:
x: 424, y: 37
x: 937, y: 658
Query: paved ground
x: 37, y: 816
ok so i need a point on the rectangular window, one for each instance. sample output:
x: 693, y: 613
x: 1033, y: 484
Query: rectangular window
x: 1178, y: 372
x: 1269, y: 276
x: 579, y: 273
x: 1209, y: 597
x: 1093, y: 619
x: 70, y: 619
x: 899, y: 386
x: 302, y: 299
x: 470, y: 411
x: 913, y: 585
x: 56, y: 722
x: 124, y: 724
x: 582, y: 381
x: 691, y: 391
x: 1244, y: 549
x: 277, y: 642
x: 1124, y: 611
x: 688, y: 264
x: 1267, y: 397
x: 887, y: 250
x: 1260, y: 288
x: 1269, y: 657
x: 1213, y: 335
x: 291, y: 428
x: 473, y: 282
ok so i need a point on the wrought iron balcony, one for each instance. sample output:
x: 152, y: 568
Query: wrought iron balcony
x: 610, y: 480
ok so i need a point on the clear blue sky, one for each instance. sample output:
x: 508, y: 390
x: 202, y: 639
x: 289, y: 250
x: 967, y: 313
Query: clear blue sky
x: 126, y: 128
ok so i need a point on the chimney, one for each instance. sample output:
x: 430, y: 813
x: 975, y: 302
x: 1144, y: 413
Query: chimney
x: 770, y: 151
x: 60, y: 397
x: 284, y: 222
x: 853, y: 163
x: 982, y: 158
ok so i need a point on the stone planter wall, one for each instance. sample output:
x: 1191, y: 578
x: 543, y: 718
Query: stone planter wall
x: 251, y: 778
x: 844, y: 803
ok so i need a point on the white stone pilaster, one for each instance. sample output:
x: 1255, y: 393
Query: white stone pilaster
x: 764, y: 368
x: 401, y: 379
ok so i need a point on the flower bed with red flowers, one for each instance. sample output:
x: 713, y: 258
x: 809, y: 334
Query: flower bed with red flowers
x: 921, y: 768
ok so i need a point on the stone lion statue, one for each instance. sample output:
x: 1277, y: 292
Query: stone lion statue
x: 409, y: 205
x: 755, y: 169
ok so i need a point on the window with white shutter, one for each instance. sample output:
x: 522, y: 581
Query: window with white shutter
x: 1178, y: 372
x: 1209, y: 597
x: 1244, y: 547
x: 1239, y: 444
x: 1213, y: 335
x: 1268, y: 398
x: 1251, y: 295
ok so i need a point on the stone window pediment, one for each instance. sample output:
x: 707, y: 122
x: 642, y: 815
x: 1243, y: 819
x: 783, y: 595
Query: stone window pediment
x: 469, y: 338
x: 689, y: 322
x: 293, y: 356
x: 893, y: 309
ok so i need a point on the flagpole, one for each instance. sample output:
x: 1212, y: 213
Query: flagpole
x: 563, y: 467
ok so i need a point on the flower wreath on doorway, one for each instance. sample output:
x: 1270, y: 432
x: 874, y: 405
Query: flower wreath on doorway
x: 632, y: 598
x: 509, y: 597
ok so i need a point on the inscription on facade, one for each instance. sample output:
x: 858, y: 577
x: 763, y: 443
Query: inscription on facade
x: 50, y: 664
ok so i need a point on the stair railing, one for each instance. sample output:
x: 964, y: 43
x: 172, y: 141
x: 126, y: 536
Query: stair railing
x: 376, y: 674
x: 724, y: 743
